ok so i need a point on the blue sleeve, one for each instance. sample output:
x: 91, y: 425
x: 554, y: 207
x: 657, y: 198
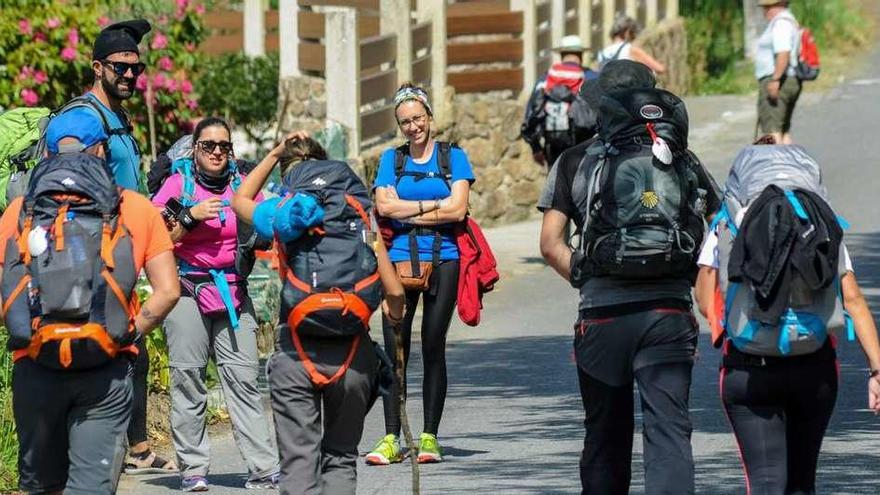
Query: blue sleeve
x: 385, y: 174
x: 461, y: 166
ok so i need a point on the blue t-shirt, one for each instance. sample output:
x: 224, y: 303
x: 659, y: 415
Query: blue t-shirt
x: 125, y: 158
x: 425, y: 189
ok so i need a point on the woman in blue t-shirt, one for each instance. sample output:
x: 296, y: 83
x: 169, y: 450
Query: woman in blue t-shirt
x: 423, y: 188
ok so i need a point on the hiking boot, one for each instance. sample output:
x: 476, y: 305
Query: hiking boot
x: 269, y: 482
x: 194, y: 484
x: 429, y: 449
x: 387, y: 451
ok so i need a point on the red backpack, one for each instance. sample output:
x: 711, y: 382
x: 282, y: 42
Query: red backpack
x: 808, y: 57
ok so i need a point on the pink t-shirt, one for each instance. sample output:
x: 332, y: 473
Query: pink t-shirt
x: 212, y: 244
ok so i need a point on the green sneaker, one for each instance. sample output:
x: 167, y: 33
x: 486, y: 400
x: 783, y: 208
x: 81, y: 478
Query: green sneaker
x: 429, y: 449
x: 386, y: 452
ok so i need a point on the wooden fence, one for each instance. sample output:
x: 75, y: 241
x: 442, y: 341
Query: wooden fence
x: 365, y: 48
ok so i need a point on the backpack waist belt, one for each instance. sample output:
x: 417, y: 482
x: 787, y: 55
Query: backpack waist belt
x: 218, y: 278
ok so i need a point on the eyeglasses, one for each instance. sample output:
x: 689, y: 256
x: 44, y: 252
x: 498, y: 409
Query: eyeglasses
x: 417, y: 120
x: 120, y: 68
x: 210, y: 146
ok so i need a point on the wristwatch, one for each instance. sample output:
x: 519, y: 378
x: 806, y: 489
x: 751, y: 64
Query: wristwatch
x: 873, y: 373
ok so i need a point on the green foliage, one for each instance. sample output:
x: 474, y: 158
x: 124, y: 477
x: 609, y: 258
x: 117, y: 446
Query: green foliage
x: 45, y: 57
x: 716, y: 45
x: 8, y: 437
x: 242, y: 89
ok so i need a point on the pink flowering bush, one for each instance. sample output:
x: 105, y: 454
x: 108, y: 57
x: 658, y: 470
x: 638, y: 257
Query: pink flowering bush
x: 45, y: 58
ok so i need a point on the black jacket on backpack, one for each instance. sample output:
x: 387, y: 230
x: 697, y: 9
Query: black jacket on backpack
x: 774, y: 243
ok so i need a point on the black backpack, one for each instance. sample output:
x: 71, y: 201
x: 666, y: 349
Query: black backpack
x: 642, y: 218
x: 70, y: 302
x: 330, y: 275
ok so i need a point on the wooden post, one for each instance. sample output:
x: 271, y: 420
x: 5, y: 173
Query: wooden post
x: 585, y: 22
x: 435, y: 12
x: 650, y: 12
x: 342, y: 71
x: 557, y: 22
x: 394, y: 18
x: 288, y: 38
x: 529, y: 41
x: 254, y: 28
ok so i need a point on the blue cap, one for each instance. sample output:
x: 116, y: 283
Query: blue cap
x: 80, y: 123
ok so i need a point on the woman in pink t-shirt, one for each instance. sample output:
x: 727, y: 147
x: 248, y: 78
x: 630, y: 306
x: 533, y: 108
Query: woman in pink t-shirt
x: 214, y: 315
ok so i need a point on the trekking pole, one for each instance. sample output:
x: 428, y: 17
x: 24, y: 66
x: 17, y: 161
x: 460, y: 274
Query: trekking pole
x: 404, y: 419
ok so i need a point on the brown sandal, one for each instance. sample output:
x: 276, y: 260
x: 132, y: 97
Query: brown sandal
x: 147, y: 462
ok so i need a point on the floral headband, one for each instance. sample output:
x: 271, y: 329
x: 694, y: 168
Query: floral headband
x: 412, y: 94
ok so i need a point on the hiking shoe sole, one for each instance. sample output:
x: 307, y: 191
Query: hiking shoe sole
x: 380, y: 460
x: 430, y: 458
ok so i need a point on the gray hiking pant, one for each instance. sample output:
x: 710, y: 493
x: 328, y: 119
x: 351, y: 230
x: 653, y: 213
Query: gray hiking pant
x: 319, y: 448
x: 71, y: 426
x: 192, y: 337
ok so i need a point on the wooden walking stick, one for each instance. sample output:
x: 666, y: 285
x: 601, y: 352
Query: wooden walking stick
x: 404, y: 419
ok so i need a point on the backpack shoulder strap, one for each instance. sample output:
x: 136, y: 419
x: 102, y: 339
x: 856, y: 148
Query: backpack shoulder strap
x: 444, y: 161
x: 400, y: 154
x: 86, y: 102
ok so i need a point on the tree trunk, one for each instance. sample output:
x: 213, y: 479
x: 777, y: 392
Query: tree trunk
x: 753, y: 26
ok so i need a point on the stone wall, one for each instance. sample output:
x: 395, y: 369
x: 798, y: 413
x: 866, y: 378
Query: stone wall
x: 667, y: 42
x: 303, y: 103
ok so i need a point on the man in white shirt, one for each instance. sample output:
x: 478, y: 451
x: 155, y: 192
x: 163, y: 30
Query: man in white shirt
x: 775, y: 61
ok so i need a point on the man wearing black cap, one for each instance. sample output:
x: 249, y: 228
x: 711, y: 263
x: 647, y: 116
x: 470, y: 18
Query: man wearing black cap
x: 627, y: 329
x: 116, y: 64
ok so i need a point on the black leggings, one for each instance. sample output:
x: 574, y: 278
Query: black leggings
x: 137, y: 427
x: 439, y: 303
x: 779, y: 414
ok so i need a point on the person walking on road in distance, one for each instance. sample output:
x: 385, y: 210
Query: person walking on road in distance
x: 71, y: 422
x: 422, y: 190
x: 631, y: 326
x: 779, y: 403
x: 623, y: 34
x: 323, y: 373
x: 215, y: 315
x: 548, y: 125
x: 775, y: 62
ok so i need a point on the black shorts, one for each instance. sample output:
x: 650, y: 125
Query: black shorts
x: 71, y: 426
x: 610, y: 348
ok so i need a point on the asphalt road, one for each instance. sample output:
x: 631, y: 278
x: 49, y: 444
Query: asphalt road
x: 513, y: 414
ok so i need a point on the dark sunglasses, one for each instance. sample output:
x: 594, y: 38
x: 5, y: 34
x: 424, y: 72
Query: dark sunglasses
x: 120, y: 68
x: 210, y: 146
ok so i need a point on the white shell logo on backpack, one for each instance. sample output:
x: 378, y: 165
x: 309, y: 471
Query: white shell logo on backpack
x: 651, y: 112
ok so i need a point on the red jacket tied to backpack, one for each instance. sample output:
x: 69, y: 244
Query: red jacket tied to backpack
x: 477, y: 274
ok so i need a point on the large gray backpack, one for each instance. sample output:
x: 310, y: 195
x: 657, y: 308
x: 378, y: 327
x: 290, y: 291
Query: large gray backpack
x: 811, y: 314
x: 330, y: 274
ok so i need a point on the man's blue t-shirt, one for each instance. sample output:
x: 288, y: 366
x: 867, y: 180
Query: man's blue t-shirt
x: 125, y: 156
x: 425, y: 189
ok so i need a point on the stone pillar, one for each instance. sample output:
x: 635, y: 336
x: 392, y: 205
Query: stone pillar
x: 394, y: 18
x: 435, y: 12
x: 650, y: 13
x: 288, y: 38
x: 343, y: 71
x: 254, y: 28
x: 530, y: 43
x: 585, y: 22
x: 557, y: 21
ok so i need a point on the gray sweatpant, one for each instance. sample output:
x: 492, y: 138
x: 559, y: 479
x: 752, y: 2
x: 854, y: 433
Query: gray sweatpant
x: 319, y: 452
x: 191, y: 339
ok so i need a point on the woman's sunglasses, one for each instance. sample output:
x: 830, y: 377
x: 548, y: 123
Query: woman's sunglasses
x: 210, y: 146
x: 120, y: 68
